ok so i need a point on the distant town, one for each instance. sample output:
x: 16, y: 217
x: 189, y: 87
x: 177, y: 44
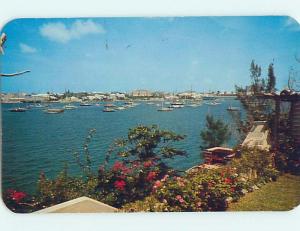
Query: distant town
x: 69, y: 96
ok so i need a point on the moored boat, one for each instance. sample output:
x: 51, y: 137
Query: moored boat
x: 176, y: 104
x: 85, y: 104
x: 54, y: 110
x: 214, y: 103
x: 18, y: 109
x: 230, y: 108
x: 109, y: 105
x: 121, y: 108
x: 164, y: 109
x: 107, y: 109
x: 70, y: 107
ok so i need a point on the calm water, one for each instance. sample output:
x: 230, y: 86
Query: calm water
x: 35, y: 141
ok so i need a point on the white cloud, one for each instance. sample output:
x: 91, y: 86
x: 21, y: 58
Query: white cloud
x: 27, y: 49
x: 59, y: 32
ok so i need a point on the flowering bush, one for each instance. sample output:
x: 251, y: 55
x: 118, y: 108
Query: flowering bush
x: 17, y: 201
x: 142, y: 164
x: 204, y: 190
x: 210, y: 190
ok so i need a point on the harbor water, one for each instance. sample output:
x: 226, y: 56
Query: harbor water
x: 34, y: 141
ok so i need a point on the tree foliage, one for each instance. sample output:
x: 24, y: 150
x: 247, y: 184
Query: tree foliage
x: 216, y: 133
x: 271, y: 79
x: 255, y: 74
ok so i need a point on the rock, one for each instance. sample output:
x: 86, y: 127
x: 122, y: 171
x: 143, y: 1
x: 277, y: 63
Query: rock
x: 254, y: 187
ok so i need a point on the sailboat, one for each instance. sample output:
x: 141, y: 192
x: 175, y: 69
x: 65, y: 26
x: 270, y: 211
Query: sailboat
x: 164, y: 109
x: 230, y: 108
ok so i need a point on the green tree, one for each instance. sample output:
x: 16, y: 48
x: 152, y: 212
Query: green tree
x: 271, y: 79
x: 255, y: 74
x: 148, y: 142
x: 216, y: 133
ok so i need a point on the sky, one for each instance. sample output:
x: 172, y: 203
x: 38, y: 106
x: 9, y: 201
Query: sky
x: 170, y: 54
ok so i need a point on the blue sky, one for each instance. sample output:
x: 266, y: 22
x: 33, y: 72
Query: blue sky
x: 168, y: 54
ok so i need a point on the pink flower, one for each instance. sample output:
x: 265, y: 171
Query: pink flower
x: 165, y: 178
x: 122, y: 177
x: 157, y: 185
x: 180, y: 199
x: 151, y: 176
x: 16, y: 196
x: 120, y: 184
x: 118, y: 166
x: 148, y: 164
x: 228, y: 181
x: 135, y: 164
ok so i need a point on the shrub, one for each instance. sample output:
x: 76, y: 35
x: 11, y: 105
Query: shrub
x: 255, y: 164
x: 141, y: 163
x: 17, y: 201
x: 216, y: 133
x: 205, y: 190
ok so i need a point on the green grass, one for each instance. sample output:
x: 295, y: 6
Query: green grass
x: 281, y: 195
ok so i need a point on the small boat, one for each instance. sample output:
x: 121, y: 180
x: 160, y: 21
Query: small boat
x: 208, y: 97
x: 230, y: 108
x: 85, y: 104
x: 164, y: 109
x: 176, y: 104
x: 107, y: 109
x: 194, y: 105
x: 109, y: 105
x: 39, y: 105
x: 54, y: 110
x: 214, y: 103
x: 150, y: 103
x: 128, y: 102
x: 120, y: 108
x: 18, y: 109
x: 70, y: 107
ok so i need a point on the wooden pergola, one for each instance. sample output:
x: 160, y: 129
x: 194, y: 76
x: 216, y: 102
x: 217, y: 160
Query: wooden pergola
x: 294, y: 115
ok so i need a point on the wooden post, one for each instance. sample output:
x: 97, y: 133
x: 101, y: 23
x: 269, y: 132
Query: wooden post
x: 276, y: 122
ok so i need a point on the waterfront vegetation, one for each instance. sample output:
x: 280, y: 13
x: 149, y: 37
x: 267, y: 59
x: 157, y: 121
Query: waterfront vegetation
x: 135, y: 175
x: 142, y: 181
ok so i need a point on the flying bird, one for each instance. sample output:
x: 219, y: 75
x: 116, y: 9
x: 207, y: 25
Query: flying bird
x: 2, y: 41
x: 128, y: 46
